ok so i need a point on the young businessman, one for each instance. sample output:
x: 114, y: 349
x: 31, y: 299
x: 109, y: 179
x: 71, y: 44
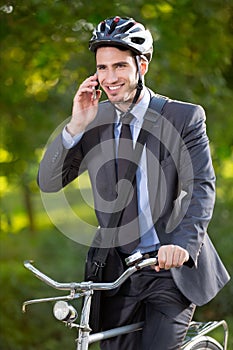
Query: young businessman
x: 173, y: 190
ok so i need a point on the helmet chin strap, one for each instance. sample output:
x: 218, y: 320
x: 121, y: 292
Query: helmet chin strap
x: 140, y: 81
x: 139, y: 87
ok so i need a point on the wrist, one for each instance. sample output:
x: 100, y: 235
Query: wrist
x: 74, y: 130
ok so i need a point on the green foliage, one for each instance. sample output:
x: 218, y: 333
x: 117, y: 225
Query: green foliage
x: 37, y: 329
x: 41, y: 68
x: 44, y: 57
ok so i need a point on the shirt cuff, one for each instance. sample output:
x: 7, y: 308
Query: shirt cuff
x: 68, y: 140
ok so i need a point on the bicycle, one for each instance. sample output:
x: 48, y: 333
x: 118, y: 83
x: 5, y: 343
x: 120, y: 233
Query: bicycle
x: 196, y: 338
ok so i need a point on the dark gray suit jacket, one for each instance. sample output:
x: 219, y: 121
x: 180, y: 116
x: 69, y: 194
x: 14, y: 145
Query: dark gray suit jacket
x: 180, y: 181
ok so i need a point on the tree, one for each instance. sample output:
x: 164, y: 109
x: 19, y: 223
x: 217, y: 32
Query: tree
x: 44, y: 56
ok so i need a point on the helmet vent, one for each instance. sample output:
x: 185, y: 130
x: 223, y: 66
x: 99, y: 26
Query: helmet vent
x: 114, y: 24
x: 138, y: 41
x: 127, y: 27
x: 102, y: 27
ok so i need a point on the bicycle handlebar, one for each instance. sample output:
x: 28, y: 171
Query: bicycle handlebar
x: 85, y: 287
x: 72, y: 286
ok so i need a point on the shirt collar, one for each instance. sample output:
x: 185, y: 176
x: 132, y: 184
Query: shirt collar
x: 139, y: 109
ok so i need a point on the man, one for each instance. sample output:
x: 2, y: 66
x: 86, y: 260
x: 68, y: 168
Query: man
x: 174, y: 189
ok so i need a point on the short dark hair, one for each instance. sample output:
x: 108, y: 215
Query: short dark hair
x: 119, y: 47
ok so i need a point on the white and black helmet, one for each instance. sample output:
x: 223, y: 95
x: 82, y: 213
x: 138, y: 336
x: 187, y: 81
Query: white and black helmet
x: 123, y: 32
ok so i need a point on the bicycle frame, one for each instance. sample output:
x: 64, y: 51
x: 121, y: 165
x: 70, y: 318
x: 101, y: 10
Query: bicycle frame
x: 86, y: 290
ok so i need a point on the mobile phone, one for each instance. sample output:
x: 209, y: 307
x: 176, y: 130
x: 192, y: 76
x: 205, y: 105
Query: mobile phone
x: 95, y: 88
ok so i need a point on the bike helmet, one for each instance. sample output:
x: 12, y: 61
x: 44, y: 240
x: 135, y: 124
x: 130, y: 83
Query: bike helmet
x: 123, y: 32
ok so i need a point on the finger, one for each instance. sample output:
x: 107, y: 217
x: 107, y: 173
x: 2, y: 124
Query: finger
x: 84, y: 90
x: 169, y: 258
x: 162, y: 258
x: 184, y: 256
x: 88, y: 87
x: 170, y: 251
x: 96, y: 94
x: 155, y: 267
x: 180, y: 256
x: 165, y: 256
x: 176, y: 258
x: 87, y: 84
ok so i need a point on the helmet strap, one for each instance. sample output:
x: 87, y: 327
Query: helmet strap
x: 139, y: 86
x: 140, y: 81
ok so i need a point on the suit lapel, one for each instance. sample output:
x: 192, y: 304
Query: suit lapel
x: 156, y: 181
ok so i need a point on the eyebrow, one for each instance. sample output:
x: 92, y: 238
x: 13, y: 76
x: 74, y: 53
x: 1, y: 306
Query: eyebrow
x: 114, y: 64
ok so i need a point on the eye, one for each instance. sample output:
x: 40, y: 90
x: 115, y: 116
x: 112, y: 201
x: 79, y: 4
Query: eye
x: 121, y: 65
x: 101, y: 67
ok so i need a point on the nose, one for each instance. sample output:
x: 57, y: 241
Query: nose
x: 111, y: 76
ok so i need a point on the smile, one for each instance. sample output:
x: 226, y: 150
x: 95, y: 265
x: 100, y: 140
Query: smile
x: 114, y: 88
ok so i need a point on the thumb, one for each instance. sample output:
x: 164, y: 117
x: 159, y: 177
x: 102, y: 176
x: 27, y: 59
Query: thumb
x: 98, y: 94
x: 97, y: 97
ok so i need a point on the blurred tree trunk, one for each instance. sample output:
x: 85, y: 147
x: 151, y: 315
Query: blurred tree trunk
x: 29, y: 207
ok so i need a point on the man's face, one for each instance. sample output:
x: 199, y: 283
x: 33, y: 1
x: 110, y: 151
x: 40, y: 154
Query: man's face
x: 117, y: 74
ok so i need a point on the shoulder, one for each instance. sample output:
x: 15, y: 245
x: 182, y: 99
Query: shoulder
x: 181, y: 112
x: 183, y: 109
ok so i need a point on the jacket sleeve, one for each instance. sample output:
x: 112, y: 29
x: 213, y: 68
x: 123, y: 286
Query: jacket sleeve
x: 59, y: 166
x: 194, y: 204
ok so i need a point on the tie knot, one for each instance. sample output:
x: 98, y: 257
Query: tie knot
x: 126, y: 118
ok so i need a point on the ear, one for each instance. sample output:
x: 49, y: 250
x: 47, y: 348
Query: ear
x: 144, y: 66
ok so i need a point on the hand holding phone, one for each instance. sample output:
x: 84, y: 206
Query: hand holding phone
x: 95, y: 88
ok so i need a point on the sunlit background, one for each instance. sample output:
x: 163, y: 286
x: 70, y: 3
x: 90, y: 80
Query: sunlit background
x: 44, y: 57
